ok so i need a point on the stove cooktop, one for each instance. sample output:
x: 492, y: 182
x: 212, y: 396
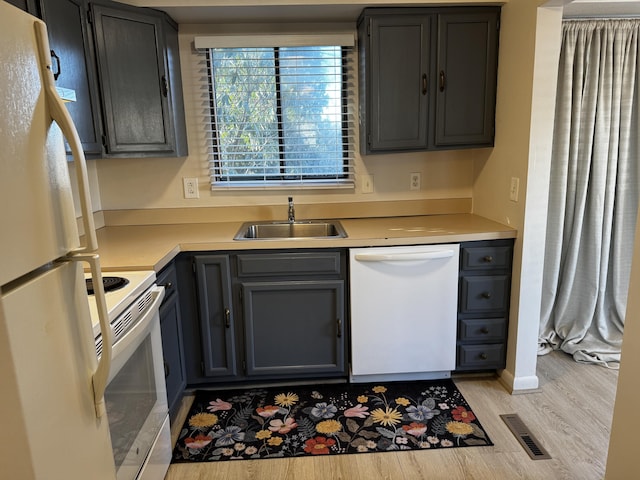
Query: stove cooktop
x: 135, y: 284
x: 108, y: 283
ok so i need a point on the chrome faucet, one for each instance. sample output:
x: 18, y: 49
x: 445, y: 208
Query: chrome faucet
x: 292, y: 211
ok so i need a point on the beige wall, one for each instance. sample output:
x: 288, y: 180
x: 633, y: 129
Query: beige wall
x: 157, y: 183
x: 482, y: 174
x: 524, y: 115
x: 527, y: 72
x: 623, y: 449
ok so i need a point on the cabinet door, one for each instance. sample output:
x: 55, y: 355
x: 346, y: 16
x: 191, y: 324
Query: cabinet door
x: 217, y: 326
x: 170, y: 327
x: 398, y: 82
x: 28, y: 6
x: 69, y: 38
x: 294, y: 327
x: 133, y: 81
x: 466, y: 79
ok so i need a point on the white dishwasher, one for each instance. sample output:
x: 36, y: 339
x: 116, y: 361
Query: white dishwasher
x: 403, y: 312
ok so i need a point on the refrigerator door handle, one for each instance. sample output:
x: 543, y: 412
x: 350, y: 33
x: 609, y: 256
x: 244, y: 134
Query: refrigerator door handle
x: 60, y: 115
x: 100, y: 377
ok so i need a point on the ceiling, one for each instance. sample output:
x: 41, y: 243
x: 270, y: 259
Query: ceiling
x: 333, y: 11
x: 602, y: 8
x: 279, y: 11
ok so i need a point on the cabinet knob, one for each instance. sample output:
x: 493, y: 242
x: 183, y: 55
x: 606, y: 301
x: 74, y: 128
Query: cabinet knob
x: 442, y: 80
x: 167, y: 370
x: 484, y: 330
x: 483, y: 356
x: 227, y: 318
x: 424, y: 84
x: 339, y: 324
x: 167, y: 286
x: 488, y: 259
x: 486, y: 295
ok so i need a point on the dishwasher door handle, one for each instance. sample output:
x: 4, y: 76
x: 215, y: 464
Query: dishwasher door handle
x: 404, y: 257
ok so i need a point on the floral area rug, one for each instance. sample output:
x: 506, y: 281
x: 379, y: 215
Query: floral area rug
x: 325, y: 420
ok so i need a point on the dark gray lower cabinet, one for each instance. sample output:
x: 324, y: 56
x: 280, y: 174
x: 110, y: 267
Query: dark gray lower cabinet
x: 266, y: 315
x: 483, y: 304
x: 172, y: 345
x: 294, y: 327
x: 216, y: 316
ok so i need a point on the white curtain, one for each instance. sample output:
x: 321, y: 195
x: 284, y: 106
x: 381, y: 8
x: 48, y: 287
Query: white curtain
x: 593, y: 196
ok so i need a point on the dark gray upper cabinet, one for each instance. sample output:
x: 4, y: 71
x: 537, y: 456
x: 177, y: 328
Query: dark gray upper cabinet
x: 427, y: 78
x: 134, y: 81
x: 28, y: 6
x: 74, y: 67
x: 395, y: 91
x: 466, y: 79
x: 124, y: 66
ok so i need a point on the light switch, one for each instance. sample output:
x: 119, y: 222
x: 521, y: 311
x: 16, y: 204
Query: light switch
x: 515, y: 189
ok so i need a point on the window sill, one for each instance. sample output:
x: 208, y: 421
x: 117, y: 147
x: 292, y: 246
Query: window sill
x: 243, y: 186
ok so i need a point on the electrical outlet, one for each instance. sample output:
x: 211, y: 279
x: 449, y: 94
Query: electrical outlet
x: 414, y: 181
x: 514, y: 189
x: 367, y: 184
x: 190, y: 186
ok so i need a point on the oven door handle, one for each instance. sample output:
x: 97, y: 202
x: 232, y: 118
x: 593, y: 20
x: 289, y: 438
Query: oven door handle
x: 131, y: 340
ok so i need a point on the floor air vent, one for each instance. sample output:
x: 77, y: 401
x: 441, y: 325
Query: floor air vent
x: 525, y: 437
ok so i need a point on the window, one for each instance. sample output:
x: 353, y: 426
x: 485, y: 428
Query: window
x: 280, y: 116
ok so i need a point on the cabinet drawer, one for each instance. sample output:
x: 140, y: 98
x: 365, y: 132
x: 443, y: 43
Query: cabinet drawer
x: 484, y: 258
x: 482, y: 330
x: 274, y: 264
x: 484, y: 293
x: 472, y: 357
x: 168, y: 279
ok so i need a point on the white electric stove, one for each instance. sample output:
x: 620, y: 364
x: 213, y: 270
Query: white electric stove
x: 129, y: 286
x: 135, y: 397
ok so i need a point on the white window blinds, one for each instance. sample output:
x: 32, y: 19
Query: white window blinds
x: 278, y: 115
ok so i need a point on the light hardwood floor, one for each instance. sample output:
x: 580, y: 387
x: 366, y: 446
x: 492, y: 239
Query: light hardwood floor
x: 570, y: 416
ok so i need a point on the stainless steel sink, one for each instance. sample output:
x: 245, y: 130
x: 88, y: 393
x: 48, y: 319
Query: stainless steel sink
x: 294, y: 230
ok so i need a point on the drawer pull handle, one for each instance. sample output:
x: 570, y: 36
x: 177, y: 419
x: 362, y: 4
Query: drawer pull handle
x: 486, y: 295
x: 227, y: 318
x: 167, y: 370
x: 488, y: 259
x: 483, y: 356
x: 339, y: 322
x: 484, y: 330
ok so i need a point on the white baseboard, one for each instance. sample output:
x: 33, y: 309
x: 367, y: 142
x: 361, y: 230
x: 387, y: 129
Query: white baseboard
x: 519, y: 385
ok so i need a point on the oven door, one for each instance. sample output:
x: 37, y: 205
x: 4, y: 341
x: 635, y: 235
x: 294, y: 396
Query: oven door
x: 136, y: 396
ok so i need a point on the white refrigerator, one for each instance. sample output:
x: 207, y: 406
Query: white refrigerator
x: 52, y: 412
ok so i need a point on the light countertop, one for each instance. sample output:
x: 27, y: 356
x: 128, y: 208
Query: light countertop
x: 146, y: 247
